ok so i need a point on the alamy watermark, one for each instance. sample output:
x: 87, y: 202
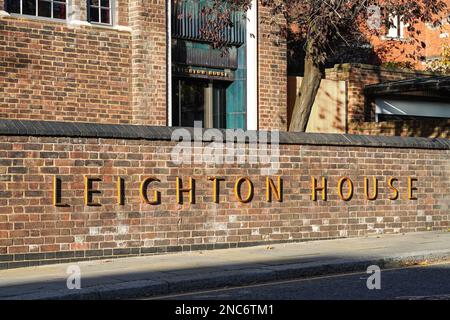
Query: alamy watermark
x: 214, y: 147
x: 374, y: 281
x: 374, y: 21
x: 74, y: 278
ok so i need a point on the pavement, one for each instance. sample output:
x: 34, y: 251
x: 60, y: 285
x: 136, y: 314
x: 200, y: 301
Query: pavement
x: 150, y: 276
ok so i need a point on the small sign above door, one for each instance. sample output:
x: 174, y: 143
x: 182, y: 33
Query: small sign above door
x: 203, y: 73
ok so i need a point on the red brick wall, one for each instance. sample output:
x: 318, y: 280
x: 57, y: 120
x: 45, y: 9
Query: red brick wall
x: 55, y: 72
x: 402, y: 50
x: 30, y: 223
x: 80, y: 10
x: 272, y: 56
x: 52, y: 71
x: 149, y: 63
x: 123, y: 12
x: 424, y: 128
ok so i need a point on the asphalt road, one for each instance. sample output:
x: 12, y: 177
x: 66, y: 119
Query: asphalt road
x: 415, y: 283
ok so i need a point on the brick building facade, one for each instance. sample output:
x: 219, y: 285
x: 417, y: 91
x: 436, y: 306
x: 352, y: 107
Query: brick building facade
x: 56, y: 71
x: 88, y: 103
x: 75, y: 70
x: 401, y: 46
x: 358, y: 77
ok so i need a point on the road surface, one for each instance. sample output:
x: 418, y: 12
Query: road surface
x: 414, y: 283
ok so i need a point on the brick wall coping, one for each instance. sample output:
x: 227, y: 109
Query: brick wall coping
x: 429, y: 84
x: 113, y: 131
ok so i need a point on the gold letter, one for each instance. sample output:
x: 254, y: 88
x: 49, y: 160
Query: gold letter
x: 411, y: 188
x: 144, y: 195
x: 216, y: 187
x: 57, y: 193
x: 391, y: 185
x: 315, y: 189
x: 89, y: 191
x: 180, y: 191
x: 271, y: 189
x: 350, y: 189
x: 237, y: 190
x: 366, y: 189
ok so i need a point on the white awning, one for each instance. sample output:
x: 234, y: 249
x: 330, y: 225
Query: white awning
x: 416, y: 108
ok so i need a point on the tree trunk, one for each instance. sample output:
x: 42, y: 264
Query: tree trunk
x: 307, y: 95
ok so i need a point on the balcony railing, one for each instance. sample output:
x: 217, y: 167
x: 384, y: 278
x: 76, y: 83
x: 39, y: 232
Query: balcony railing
x: 188, y: 21
x: 203, y: 55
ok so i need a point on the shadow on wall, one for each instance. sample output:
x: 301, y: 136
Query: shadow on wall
x: 343, y: 107
x: 425, y: 128
x: 329, y: 111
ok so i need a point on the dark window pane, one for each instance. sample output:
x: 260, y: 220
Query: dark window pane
x: 59, y: 10
x: 44, y: 9
x: 95, y: 3
x: 29, y: 7
x: 94, y: 15
x: 105, y: 16
x: 13, y: 6
x: 105, y: 3
x: 190, y: 97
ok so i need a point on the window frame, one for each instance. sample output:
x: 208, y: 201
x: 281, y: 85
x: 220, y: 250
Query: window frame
x: 398, y: 27
x: 36, y: 15
x: 112, y: 9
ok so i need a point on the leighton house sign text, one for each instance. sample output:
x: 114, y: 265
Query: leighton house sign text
x: 244, y: 189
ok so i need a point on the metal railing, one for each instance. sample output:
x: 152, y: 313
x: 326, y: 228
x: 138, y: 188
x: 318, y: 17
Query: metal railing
x: 206, y: 57
x: 188, y: 22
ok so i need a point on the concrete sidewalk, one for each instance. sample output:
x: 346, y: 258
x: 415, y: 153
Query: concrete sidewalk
x: 185, y: 272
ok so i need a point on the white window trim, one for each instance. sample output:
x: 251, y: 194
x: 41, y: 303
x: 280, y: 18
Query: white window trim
x: 112, y: 13
x: 169, y: 64
x: 73, y: 18
x: 398, y: 29
x: 252, y: 67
